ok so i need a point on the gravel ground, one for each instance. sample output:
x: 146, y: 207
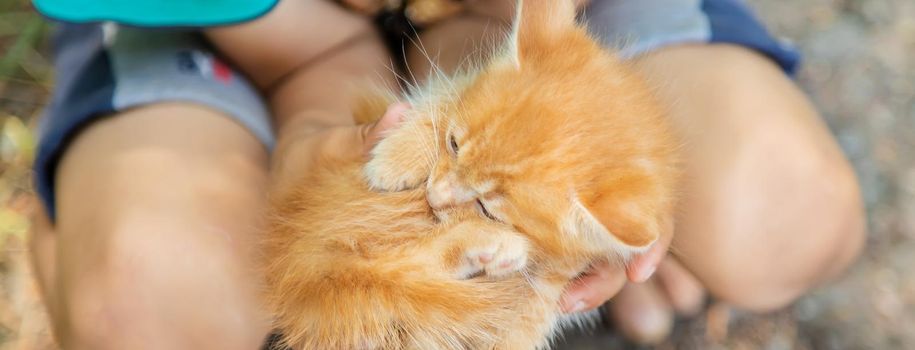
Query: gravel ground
x: 857, y: 70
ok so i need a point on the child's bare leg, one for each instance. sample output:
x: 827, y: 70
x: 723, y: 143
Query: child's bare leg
x: 152, y: 248
x: 158, y: 206
x: 775, y: 208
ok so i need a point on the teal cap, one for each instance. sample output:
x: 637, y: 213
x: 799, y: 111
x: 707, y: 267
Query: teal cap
x: 155, y: 13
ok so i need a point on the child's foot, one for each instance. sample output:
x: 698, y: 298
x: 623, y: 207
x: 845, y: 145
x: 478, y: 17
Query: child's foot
x: 644, y: 312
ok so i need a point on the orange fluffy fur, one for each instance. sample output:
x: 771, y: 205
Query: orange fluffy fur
x: 563, y: 158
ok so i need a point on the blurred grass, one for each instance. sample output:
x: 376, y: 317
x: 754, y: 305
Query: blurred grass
x: 25, y: 81
x: 24, y: 42
x: 25, y: 77
x: 23, y: 34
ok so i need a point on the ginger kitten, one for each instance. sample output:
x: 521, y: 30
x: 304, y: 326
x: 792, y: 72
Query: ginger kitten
x: 501, y: 186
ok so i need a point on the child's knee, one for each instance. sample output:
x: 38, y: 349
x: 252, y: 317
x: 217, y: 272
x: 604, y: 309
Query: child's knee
x: 800, y: 228
x: 150, y: 279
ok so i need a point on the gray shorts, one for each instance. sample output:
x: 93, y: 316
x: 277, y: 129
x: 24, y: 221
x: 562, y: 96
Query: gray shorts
x: 103, y: 69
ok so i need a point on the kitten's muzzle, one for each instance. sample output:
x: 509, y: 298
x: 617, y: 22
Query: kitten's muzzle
x: 445, y: 192
x: 439, y: 197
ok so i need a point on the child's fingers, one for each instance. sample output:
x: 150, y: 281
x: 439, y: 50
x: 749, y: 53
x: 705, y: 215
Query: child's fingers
x: 348, y: 142
x: 601, y: 283
x: 374, y: 132
x: 642, y: 267
x: 294, y: 155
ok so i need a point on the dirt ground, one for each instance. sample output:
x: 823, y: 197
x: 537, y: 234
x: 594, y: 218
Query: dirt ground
x: 857, y: 69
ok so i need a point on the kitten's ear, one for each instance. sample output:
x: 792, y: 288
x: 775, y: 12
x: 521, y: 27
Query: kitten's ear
x: 537, y: 23
x: 606, y: 227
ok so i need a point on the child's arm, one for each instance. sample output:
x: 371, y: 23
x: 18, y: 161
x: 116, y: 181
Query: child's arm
x: 306, y: 56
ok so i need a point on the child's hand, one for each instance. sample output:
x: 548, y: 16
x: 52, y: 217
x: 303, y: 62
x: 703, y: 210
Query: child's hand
x: 604, y: 280
x: 296, y: 151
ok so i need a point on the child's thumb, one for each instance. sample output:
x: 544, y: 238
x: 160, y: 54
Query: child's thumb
x: 372, y: 133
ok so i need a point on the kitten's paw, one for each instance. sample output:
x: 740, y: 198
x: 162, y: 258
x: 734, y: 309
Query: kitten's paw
x: 498, y: 255
x: 403, y: 159
x: 383, y: 174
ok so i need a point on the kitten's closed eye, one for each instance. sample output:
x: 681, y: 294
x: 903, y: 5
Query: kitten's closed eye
x: 485, y: 212
x: 452, y: 144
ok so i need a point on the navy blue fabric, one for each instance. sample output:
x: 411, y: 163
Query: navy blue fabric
x: 732, y: 22
x: 85, y: 90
